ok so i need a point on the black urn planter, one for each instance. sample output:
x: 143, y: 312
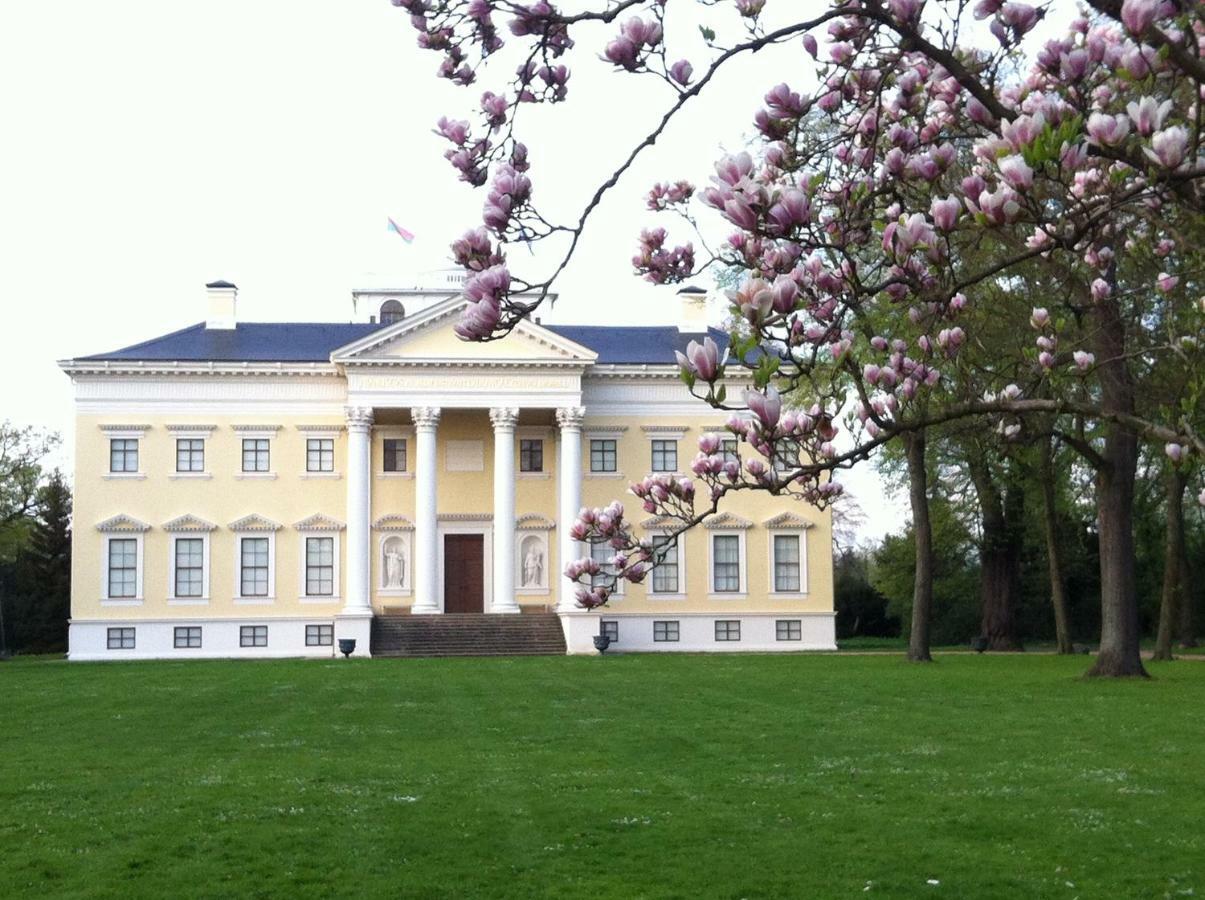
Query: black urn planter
x: 602, y: 642
x: 347, y: 646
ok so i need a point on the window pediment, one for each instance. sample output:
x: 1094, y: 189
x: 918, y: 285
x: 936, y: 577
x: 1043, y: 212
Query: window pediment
x: 727, y: 520
x: 393, y: 522
x: 254, y: 522
x: 188, y: 523
x: 534, y: 522
x: 123, y: 524
x: 789, y: 520
x: 319, y: 522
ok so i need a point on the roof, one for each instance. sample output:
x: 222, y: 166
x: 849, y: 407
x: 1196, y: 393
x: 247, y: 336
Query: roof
x: 221, y: 284
x: 314, y: 342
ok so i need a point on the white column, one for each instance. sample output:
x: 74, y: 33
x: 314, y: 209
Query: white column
x: 426, y: 523
x: 359, y: 512
x: 569, y: 473
x: 503, y: 420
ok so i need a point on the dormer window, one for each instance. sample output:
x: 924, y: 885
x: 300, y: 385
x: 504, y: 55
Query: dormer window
x: 392, y: 311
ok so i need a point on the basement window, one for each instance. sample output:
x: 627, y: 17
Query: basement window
x: 121, y: 638
x: 319, y: 635
x: 253, y: 636
x: 610, y: 628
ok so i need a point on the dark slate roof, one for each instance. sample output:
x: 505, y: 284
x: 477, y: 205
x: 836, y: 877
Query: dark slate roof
x: 221, y: 284
x: 653, y: 344
x: 248, y: 342
x: 314, y: 342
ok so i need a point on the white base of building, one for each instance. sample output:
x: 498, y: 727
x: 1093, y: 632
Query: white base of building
x: 696, y: 632
x: 220, y: 639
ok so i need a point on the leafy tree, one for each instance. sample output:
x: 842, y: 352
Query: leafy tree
x: 1087, y: 163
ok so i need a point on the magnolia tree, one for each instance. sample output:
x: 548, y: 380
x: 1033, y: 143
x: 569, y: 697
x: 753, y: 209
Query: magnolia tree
x: 943, y: 149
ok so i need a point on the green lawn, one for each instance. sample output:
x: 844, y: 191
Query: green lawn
x: 637, y: 776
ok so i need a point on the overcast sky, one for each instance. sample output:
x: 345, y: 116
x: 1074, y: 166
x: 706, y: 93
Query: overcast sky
x: 150, y: 147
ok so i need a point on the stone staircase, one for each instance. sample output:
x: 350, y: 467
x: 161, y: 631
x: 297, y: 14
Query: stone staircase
x: 529, y: 634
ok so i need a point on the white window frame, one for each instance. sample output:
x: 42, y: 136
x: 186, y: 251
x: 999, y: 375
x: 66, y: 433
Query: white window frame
x: 253, y: 645
x: 393, y: 434
x: 239, y: 597
x: 803, y: 562
x: 137, y: 599
x: 135, y: 435
x: 188, y: 629
x: 336, y: 584
x: 256, y: 434
x: 172, y: 599
x: 122, y: 629
x: 202, y: 472
x: 605, y: 433
x: 551, y: 459
x: 742, y: 561
x: 680, y: 593
x: 609, y: 627
x: 621, y: 583
x: 313, y: 434
x: 318, y: 634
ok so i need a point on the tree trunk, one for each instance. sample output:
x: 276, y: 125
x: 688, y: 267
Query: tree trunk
x: 1175, y: 590
x: 922, y: 589
x: 1054, y: 560
x: 999, y: 555
x: 1119, y: 635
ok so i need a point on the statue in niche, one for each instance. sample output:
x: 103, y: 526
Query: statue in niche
x: 533, y: 565
x: 395, y: 566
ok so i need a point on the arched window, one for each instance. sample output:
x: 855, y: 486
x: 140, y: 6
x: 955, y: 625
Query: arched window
x: 392, y: 311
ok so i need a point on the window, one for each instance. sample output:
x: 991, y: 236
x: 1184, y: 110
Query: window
x: 602, y: 553
x: 319, y: 567
x: 602, y: 455
x: 320, y: 455
x: 610, y: 628
x: 728, y: 630
x: 786, y: 563
x: 730, y: 448
x: 253, y: 567
x: 786, y: 456
x: 190, y: 455
x: 123, y: 455
x: 665, y: 574
x: 531, y: 455
x: 253, y: 636
x: 726, y: 563
x: 121, y: 638
x: 187, y: 638
x: 190, y: 567
x: 395, y: 455
x: 788, y: 630
x: 255, y: 455
x: 665, y: 632
x: 319, y: 635
x: 392, y: 311
x: 665, y: 456
x: 123, y: 568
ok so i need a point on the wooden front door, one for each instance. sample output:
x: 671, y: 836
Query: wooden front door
x: 464, y: 573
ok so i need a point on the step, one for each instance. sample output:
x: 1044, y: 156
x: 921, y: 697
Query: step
x: 467, y: 634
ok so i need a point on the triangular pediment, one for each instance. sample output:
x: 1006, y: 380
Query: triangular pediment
x: 429, y: 337
x: 659, y: 523
x: 726, y: 520
x: 254, y: 522
x: 534, y: 522
x: 188, y: 522
x: 788, y: 520
x: 318, y: 522
x: 123, y: 523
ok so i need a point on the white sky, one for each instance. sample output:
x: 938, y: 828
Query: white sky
x: 150, y: 147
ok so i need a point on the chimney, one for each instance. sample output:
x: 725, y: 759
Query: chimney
x: 692, y: 313
x: 222, y: 298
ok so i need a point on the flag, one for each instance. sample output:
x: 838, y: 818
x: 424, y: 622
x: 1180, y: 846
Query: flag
x: 401, y: 232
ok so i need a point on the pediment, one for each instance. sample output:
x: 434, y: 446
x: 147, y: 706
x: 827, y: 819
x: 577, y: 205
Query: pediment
x: 188, y: 522
x: 659, y: 523
x: 393, y: 522
x: 254, y: 522
x: 534, y: 522
x: 788, y: 520
x: 726, y: 520
x: 318, y: 522
x: 429, y: 338
x: 123, y: 523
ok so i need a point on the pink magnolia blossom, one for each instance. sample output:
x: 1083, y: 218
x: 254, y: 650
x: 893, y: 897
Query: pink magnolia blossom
x: 1100, y: 289
x: 1167, y: 282
x: 766, y: 406
x: 1148, y: 114
x: 945, y: 212
x: 1168, y: 147
x: 1138, y: 15
x: 1083, y: 360
x: 1175, y: 452
x: 1016, y: 172
x: 1039, y: 317
x: 701, y: 359
x: 681, y: 72
x: 1109, y: 131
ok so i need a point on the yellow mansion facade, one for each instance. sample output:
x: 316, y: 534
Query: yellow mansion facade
x: 266, y: 489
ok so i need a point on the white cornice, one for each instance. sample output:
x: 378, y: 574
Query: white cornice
x: 135, y: 367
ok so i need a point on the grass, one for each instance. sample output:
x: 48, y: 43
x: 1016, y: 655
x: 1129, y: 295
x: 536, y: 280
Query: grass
x: 637, y: 776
